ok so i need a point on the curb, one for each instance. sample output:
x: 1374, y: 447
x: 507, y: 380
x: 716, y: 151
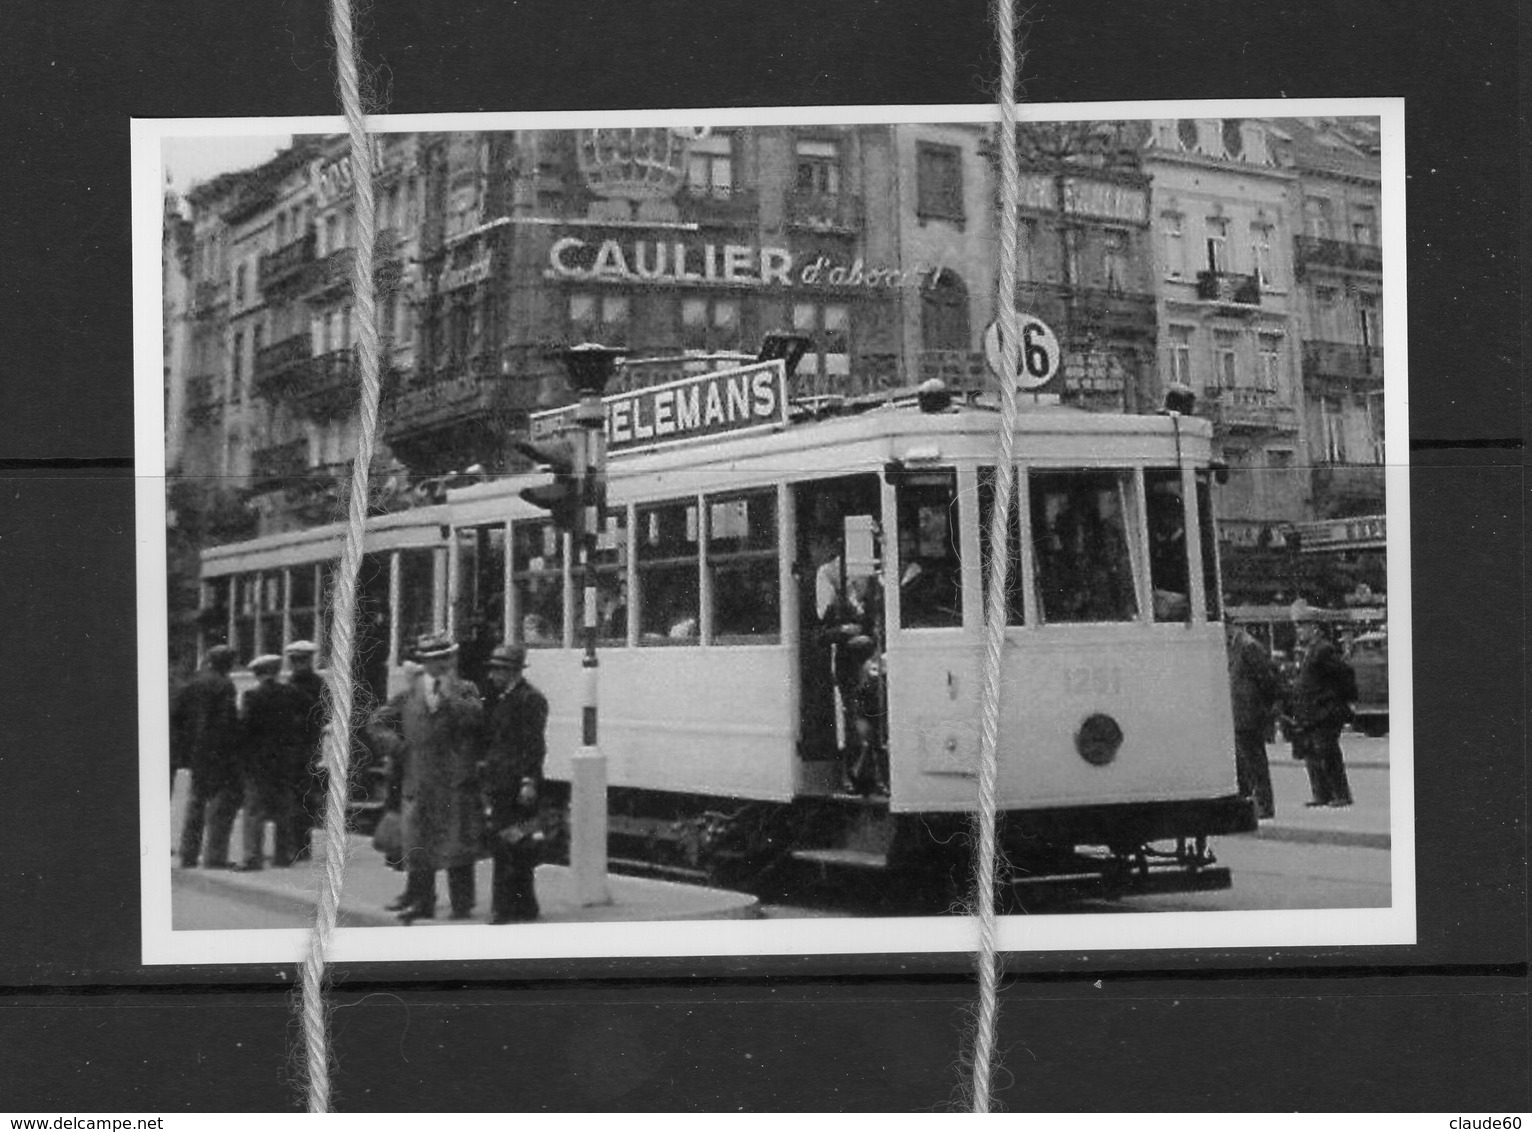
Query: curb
x: 214, y: 883
x: 1346, y: 838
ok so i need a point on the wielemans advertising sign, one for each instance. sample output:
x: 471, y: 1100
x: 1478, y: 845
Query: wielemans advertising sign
x: 724, y: 402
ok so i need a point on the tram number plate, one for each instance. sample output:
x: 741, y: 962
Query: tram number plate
x: 1093, y: 680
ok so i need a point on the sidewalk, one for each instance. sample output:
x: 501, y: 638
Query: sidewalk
x: 370, y: 884
x: 1364, y: 824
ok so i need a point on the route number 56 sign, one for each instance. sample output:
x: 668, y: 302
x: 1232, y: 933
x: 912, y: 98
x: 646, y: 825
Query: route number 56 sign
x: 1037, y: 362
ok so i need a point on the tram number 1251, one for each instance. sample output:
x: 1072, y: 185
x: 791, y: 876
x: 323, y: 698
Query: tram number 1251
x: 1093, y: 680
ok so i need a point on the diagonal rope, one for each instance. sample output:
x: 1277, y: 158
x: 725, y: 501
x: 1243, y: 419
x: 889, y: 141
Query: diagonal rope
x: 987, y: 957
x: 338, y: 684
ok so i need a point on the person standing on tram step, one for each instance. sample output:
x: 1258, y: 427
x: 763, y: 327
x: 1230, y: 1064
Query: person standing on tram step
x: 304, y: 775
x: 1253, y: 689
x: 204, y: 729
x: 515, y: 745
x: 1322, y: 695
x: 441, y: 813
x: 275, y: 733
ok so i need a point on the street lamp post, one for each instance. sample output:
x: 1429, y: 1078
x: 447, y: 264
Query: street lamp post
x: 590, y: 368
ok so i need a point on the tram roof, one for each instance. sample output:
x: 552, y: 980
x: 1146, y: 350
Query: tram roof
x: 417, y: 527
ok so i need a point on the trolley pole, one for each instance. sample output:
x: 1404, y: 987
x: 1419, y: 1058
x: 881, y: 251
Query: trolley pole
x: 590, y: 367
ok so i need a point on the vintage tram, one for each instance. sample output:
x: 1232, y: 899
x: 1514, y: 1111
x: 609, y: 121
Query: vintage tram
x: 790, y: 621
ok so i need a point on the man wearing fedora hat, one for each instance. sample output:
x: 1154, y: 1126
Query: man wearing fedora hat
x: 441, y: 816
x: 1322, y: 695
x: 204, y: 728
x: 515, y: 747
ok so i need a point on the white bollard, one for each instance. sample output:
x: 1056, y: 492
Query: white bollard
x: 587, y: 827
x: 178, y: 799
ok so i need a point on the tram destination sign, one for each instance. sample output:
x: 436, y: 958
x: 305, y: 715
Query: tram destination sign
x: 725, y: 402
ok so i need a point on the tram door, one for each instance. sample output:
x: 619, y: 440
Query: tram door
x: 840, y: 602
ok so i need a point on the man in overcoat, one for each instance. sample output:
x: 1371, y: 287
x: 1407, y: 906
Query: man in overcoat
x: 304, y: 777
x: 275, y: 719
x: 1253, y: 689
x: 204, y: 730
x: 514, y: 750
x: 441, y: 719
x: 1321, y: 705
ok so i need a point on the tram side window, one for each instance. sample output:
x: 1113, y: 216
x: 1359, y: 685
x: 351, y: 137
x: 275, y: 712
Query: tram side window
x: 1014, y: 582
x: 930, y: 565
x: 479, y: 617
x: 247, y: 598
x: 1209, y: 545
x: 611, y: 569
x: 667, y: 548
x: 417, y: 594
x: 302, y: 607
x: 1169, y: 566
x: 214, y: 617
x: 742, y: 564
x: 1080, y: 546
x: 537, y: 573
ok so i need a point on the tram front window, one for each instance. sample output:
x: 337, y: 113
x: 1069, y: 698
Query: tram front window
x: 1081, y: 549
x: 537, y: 573
x: 1169, y: 567
x: 930, y: 566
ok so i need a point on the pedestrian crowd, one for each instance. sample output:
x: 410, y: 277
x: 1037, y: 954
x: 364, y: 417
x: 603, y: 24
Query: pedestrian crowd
x: 1313, y: 707
x: 464, y: 772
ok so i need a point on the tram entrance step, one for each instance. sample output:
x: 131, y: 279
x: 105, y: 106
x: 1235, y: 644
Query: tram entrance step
x: 842, y: 858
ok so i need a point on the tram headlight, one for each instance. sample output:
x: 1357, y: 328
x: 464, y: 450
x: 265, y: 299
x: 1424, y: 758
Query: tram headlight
x: 1098, y: 739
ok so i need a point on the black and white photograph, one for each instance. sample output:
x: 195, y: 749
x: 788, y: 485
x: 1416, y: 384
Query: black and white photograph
x: 671, y: 612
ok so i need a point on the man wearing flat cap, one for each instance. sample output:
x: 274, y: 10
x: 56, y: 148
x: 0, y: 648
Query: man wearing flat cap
x: 514, y: 750
x: 204, y: 732
x: 1323, y: 692
x: 303, y: 773
x: 441, y: 817
x: 275, y: 719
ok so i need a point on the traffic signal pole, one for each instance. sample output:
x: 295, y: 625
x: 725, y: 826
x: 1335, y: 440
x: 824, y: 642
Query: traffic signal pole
x: 587, y: 805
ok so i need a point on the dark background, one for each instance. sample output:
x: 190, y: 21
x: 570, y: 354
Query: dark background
x: 1440, y: 1025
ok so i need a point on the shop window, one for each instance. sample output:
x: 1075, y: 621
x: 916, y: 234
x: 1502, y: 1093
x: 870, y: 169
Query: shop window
x: 537, y: 575
x: 742, y: 567
x: 939, y: 182
x: 667, y: 547
x: 930, y: 563
x: 1015, y: 583
x: 818, y: 167
x: 1081, y: 549
x: 1169, y: 559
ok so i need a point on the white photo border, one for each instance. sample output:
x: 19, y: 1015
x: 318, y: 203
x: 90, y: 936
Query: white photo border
x: 1266, y: 930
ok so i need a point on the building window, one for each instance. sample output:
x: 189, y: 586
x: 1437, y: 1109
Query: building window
x: 829, y: 326
x: 1114, y: 260
x: 1175, y: 245
x: 1026, y: 252
x: 1218, y: 244
x: 1364, y: 224
x: 1368, y: 318
x: 710, y: 165
x: 1333, y: 429
x: 1181, y: 355
x: 667, y: 547
x: 1226, y: 358
x: 818, y: 170
x: 1317, y: 217
x: 1324, y: 312
x: 1260, y: 254
x: 1374, y: 407
x: 1186, y: 133
x: 944, y: 312
x: 1233, y: 138
x: 603, y: 318
x: 1270, y: 349
x: 710, y: 324
x: 239, y: 365
x: 939, y: 181
x: 239, y: 286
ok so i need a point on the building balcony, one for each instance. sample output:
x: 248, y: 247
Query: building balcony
x: 287, y: 264
x: 462, y: 413
x: 1247, y: 410
x: 1337, y: 255
x: 736, y: 207
x: 1228, y: 289
x: 280, y: 366
x: 276, y: 467
x: 337, y: 268
x: 1344, y: 362
x: 822, y: 212
x: 203, y: 401
x: 208, y: 296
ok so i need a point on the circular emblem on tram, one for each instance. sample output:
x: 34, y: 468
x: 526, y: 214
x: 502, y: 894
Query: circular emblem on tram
x: 1037, y: 362
x: 1098, y: 739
